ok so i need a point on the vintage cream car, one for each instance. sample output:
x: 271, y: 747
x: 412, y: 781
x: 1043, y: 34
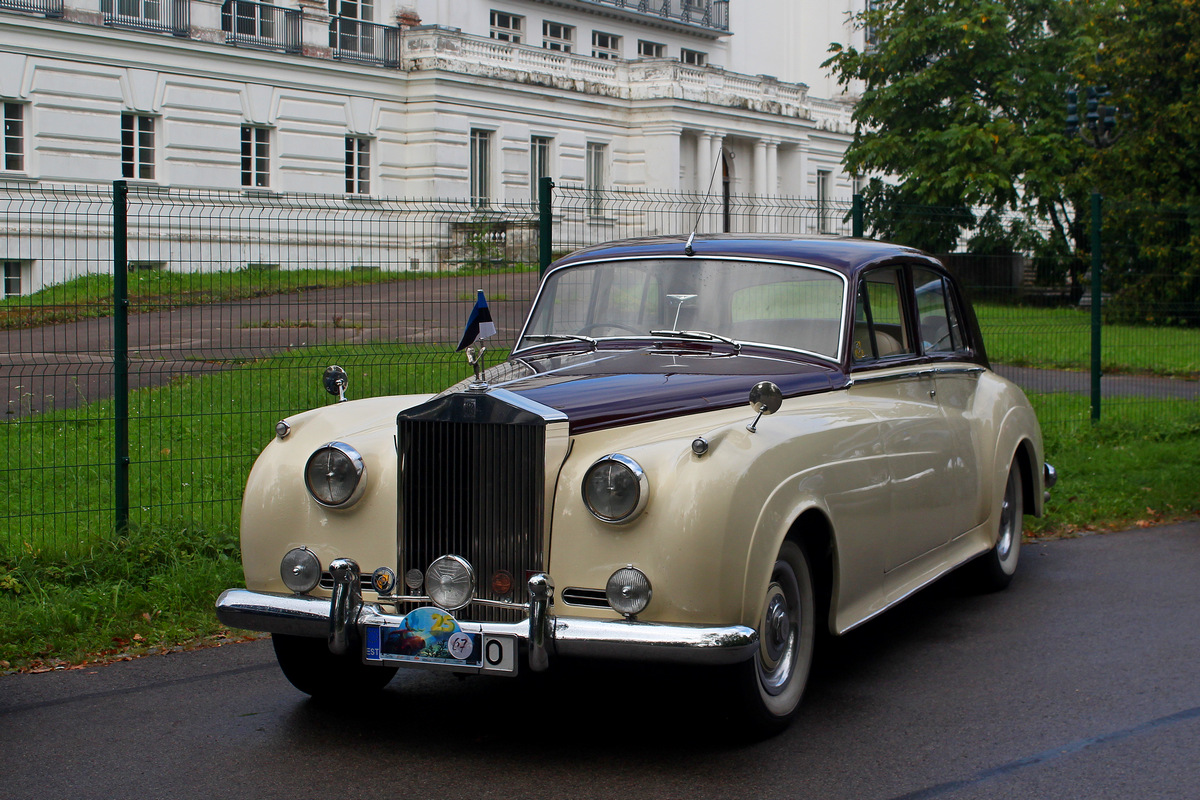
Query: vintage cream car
x: 608, y: 493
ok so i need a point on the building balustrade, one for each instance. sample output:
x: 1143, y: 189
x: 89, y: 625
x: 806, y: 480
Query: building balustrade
x: 50, y: 8
x: 168, y: 16
x: 711, y: 14
x: 365, y: 42
x: 263, y: 25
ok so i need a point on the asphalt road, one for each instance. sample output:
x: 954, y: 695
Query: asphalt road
x: 1079, y: 681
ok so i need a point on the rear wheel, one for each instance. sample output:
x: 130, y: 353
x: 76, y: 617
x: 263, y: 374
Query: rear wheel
x: 773, y: 681
x: 310, y: 667
x: 994, y: 570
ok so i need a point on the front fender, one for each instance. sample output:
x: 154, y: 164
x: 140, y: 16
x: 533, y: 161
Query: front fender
x: 714, y: 523
x: 278, y: 514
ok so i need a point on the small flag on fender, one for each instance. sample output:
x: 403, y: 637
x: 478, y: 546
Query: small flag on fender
x: 479, y: 324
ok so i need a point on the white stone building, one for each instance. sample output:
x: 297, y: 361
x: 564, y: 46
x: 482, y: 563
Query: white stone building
x: 425, y: 98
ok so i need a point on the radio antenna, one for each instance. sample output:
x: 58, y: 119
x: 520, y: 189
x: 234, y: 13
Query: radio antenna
x: 687, y: 249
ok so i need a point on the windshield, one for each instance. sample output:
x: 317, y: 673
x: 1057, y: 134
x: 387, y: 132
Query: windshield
x: 791, y: 306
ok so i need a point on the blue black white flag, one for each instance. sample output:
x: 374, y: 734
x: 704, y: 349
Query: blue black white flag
x: 479, y: 325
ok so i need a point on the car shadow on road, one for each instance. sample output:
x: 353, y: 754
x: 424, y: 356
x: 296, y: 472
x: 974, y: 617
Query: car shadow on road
x: 596, y: 706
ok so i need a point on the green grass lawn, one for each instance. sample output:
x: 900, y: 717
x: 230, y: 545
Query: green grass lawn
x: 1060, y: 338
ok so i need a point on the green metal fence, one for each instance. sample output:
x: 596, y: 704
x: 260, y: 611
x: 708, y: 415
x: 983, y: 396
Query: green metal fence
x: 153, y: 337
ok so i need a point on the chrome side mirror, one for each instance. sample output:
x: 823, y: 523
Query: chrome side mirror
x: 336, y: 380
x: 765, y: 398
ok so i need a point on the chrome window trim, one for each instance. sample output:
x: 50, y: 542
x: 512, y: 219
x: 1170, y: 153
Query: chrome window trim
x: 915, y: 373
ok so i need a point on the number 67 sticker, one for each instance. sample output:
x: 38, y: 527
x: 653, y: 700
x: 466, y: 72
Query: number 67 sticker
x: 460, y: 645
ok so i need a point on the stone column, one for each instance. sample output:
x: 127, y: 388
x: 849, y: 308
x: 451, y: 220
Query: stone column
x: 760, y: 185
x: 704, y: 161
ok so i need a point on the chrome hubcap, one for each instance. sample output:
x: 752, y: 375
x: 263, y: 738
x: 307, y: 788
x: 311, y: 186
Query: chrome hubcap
x: 1005, y: 542
x: 778, y: 647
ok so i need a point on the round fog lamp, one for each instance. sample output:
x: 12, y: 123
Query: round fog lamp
x: 335, y: 475
x: 450, y: 582
x: 615, y: 488
x: 300, y: 570
x: 628, y: 591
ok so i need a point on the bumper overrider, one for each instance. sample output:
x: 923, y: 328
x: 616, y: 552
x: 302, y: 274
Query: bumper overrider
x: 346, y: 622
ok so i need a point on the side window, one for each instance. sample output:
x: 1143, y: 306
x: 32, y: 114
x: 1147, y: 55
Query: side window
x: 879, y: 326
x: 937, y: 313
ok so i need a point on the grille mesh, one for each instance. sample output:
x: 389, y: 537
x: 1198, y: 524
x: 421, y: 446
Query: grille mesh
x: 475, y: 490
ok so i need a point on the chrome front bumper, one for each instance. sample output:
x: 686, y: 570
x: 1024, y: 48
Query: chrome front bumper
x: 342, y: 619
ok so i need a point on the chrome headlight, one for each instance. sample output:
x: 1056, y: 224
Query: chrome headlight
x: 336, y: 475
x: 615, y: 488
x: 628, y: 591
x: 300, y: 570
x: 450, y: 582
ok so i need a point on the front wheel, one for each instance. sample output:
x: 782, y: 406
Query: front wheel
x: 310, y: 667
x: 994, y: 569
x: 773, y: 681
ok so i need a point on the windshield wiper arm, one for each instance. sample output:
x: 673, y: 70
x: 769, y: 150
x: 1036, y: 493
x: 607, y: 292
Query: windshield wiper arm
x: 700, y: 335
x: 562, y: 337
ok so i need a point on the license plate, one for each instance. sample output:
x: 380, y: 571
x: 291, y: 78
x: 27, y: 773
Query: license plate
x: 425, y: 636
x: 434, y: 637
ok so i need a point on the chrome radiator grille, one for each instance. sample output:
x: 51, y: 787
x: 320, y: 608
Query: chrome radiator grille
x: 472, y: 482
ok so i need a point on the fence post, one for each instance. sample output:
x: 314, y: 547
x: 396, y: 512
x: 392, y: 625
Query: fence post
x: 121, y: 354
x: 856, y: 217
x: 1097, y: 260
x: 545, y: 224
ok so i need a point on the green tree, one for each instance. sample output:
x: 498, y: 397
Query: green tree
x: 962, y: 108
x: 1147, y: 54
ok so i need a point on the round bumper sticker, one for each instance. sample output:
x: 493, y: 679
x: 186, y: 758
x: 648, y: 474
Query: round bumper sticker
x: 428, y: 633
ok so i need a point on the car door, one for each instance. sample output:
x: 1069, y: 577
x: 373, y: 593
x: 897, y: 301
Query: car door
x: 889, y: 378
x: 945, y: 342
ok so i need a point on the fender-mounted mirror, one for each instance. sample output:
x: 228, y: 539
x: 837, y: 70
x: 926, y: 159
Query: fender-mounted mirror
x: 765, y: 398
x: 336, y: 380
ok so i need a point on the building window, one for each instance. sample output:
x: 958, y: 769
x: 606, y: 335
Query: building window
x: 358, y: 165
x: 351, y: 29
x: 597, y: 157
x: 256, y: 156
x: 353, y: 9
x: 693, y: 57
x: 507, y: 27
x: 539, y: 162
x: 824, y: 185
x: 14, y: 137
x: 605, y: 45
x: 12, y: 279
x: 481, y: 144
x: 651, y: 49
x: 556, y: 36
x: 137, y: 147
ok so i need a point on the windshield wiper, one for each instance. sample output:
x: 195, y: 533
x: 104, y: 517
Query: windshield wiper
x: 562, y: 337
x: 701, y: 336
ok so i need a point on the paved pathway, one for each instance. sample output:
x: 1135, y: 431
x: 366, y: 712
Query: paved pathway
x: 63, y: 366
